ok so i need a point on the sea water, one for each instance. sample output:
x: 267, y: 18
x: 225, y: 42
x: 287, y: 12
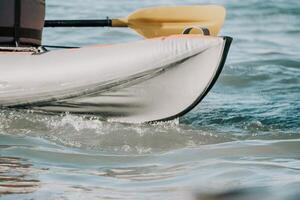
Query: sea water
x: 241, y: 142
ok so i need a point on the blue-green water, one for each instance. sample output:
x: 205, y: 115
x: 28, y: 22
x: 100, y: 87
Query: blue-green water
x: 241, y: 142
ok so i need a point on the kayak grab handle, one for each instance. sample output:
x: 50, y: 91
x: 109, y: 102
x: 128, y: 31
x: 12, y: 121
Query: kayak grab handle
x: 204, y: 30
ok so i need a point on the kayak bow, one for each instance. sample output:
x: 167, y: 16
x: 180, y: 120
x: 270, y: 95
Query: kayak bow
x: 149, y: 80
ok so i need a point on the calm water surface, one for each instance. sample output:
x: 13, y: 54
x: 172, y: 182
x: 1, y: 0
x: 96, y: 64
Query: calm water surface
x: 241, y: 142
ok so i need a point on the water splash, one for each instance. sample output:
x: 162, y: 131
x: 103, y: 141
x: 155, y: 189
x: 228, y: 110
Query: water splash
x: 94, y: 134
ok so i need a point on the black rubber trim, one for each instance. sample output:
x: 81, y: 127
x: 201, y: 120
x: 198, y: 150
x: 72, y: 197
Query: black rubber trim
x: 60, y: 47
x: 228, y: 41
x: 22, y: 33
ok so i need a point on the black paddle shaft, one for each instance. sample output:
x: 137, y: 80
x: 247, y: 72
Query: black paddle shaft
x: 79, y: 23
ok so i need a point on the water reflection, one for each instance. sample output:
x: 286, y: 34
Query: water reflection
x: 16, y: 176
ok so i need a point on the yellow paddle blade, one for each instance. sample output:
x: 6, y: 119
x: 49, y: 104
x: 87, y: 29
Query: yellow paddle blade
x: 164, y: 21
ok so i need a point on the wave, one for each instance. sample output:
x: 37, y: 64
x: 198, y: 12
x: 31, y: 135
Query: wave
x: 92, y: 133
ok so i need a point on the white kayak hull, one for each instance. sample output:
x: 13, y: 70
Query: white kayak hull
x: 149, y: 80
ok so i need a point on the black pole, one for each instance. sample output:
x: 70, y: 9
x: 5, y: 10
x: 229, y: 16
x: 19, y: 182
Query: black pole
x: 17, y: 22
x: 79, y: 23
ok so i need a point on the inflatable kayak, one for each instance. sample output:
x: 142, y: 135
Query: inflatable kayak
x: 148, y: 80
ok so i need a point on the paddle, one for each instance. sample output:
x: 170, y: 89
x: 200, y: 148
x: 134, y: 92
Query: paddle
x: 159, y: 21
